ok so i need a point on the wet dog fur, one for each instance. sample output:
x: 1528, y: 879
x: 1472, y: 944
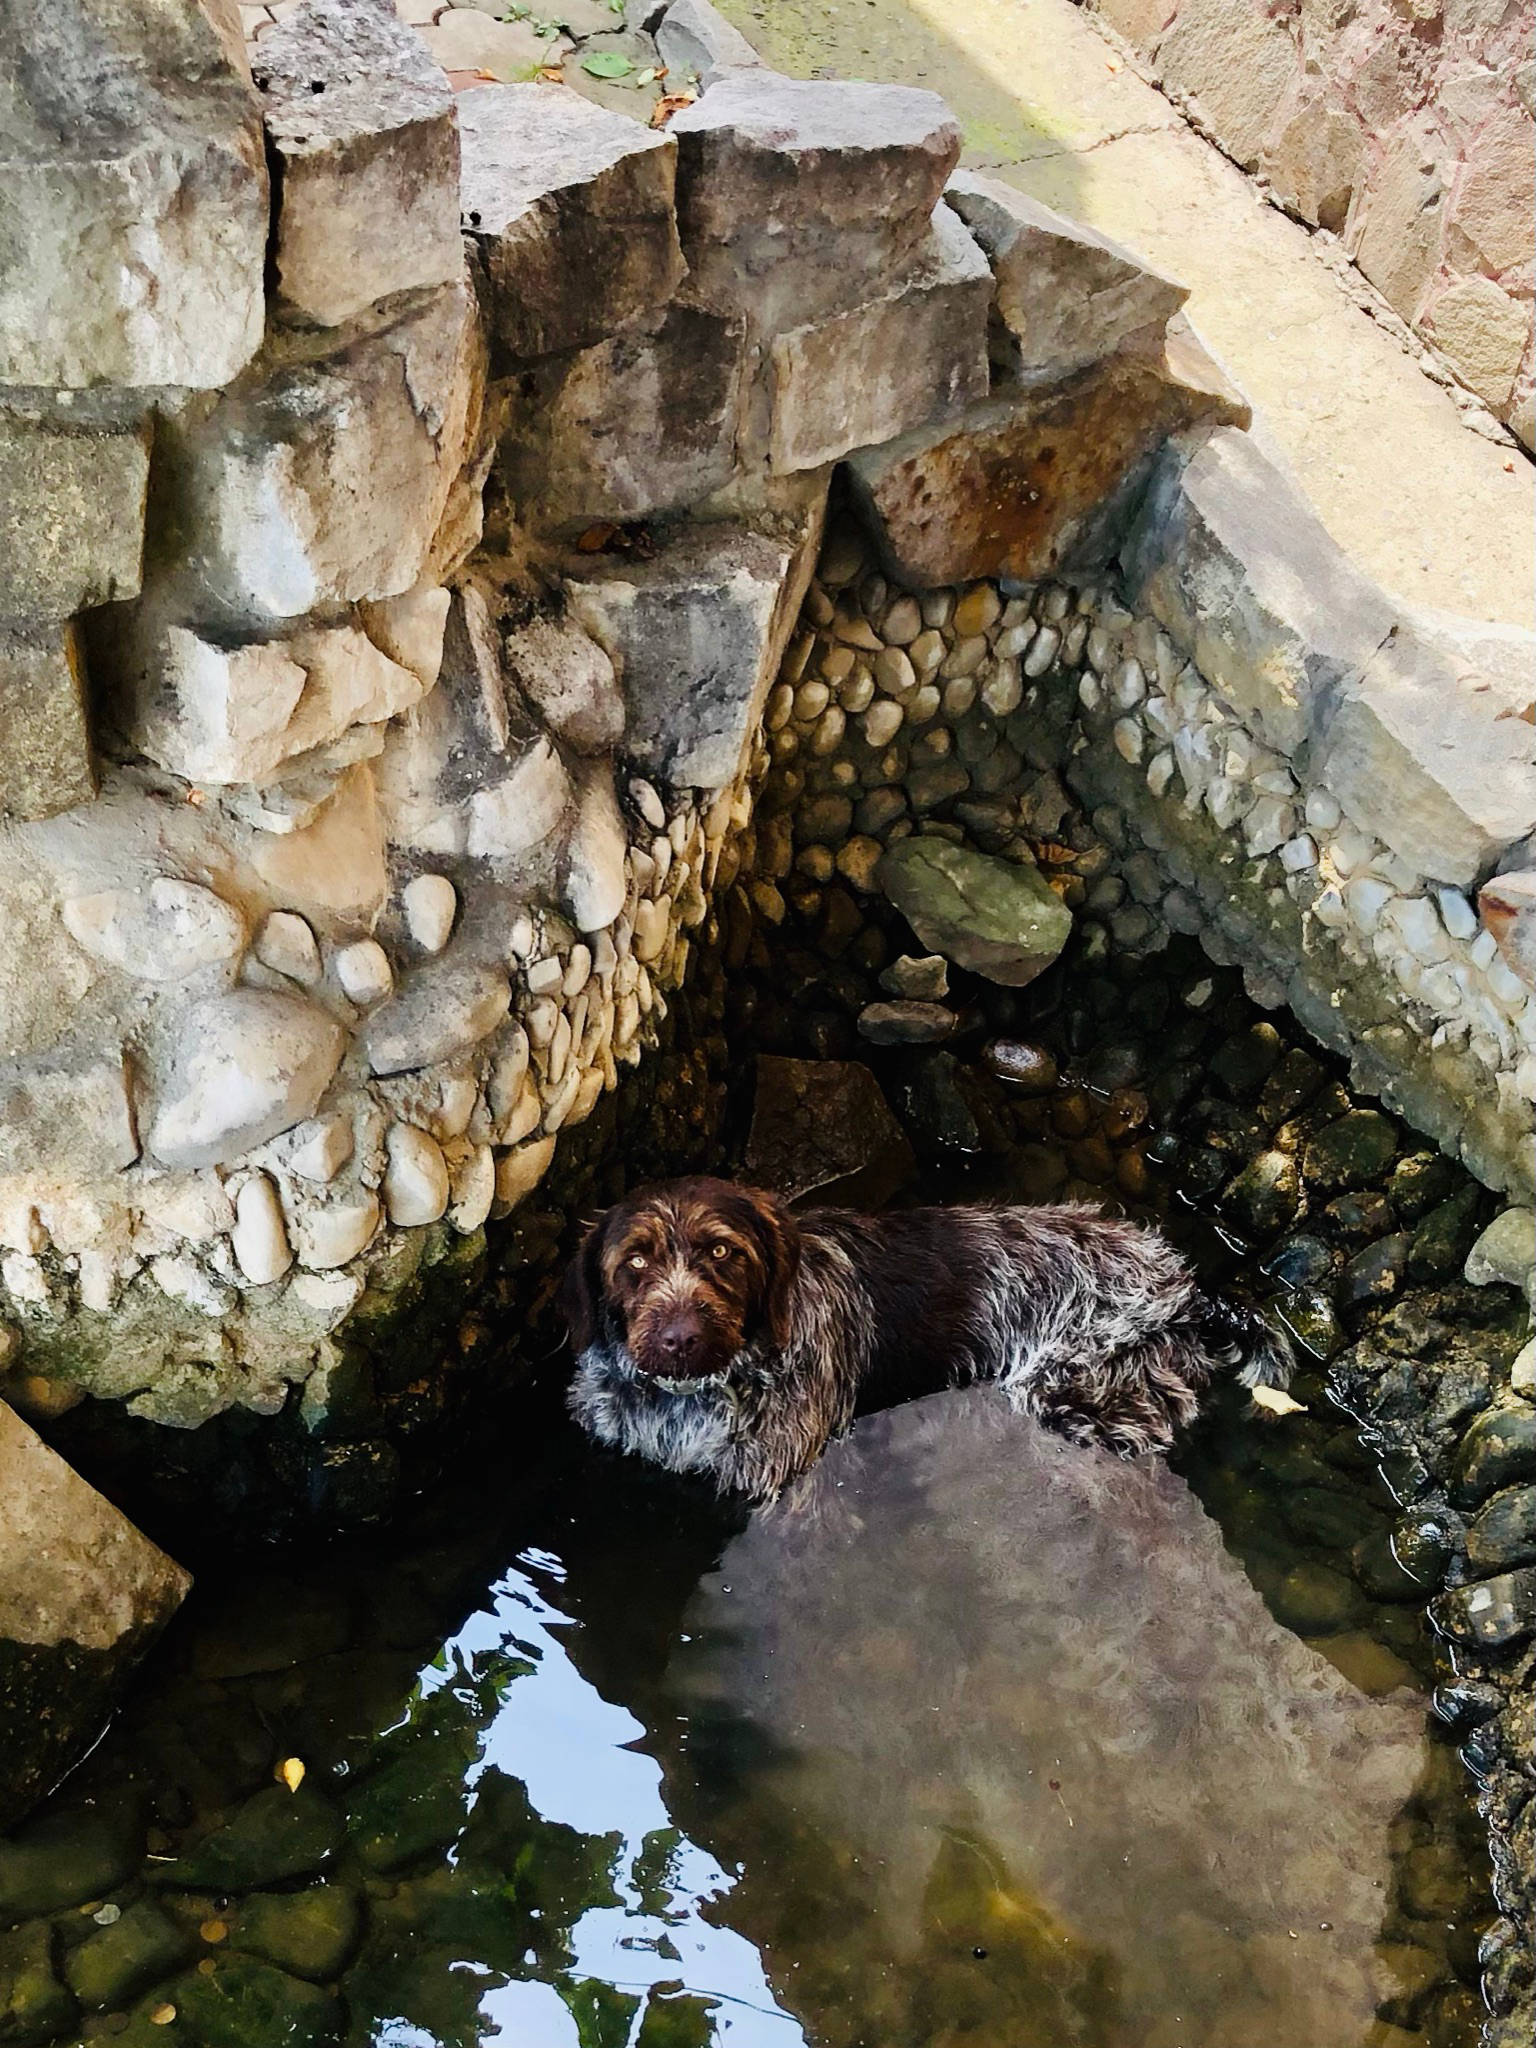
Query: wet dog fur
x: 718, y: 1334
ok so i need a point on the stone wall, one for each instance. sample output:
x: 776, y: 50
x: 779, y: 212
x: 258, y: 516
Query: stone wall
x: 389, y: 688
x: 1405, y: 129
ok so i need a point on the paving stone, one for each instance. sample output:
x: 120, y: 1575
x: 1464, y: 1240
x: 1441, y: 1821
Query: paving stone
x: 474, y: 40
x: 324, y: 480
x: 82, y: 1597
x: 995, y: 917
x: 1067, y: 296
x: 133, y: 198
x: 71, y: 511
x: 46, y: 760
x: 360, y: 122
x: 644, y: 423
x: 1026, y: 484
x: 695, y: 635
x: 572, y: 210
x: 908, y: 354
x: 799, y: 196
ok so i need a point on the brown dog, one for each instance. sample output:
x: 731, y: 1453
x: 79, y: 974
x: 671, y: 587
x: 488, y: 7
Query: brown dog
x: 717, y: 1333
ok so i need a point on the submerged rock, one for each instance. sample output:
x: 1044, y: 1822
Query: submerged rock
x: 82, y: 1597
x: 995, y: 917
x: 277, y: 1834
x: 246, y: 2004
x: 823, y: 1126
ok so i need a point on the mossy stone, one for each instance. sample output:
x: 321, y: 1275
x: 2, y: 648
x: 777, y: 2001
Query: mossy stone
x: 1299, y: 1261
x: 1498, y: 1450
x: 1375, y: 1274
x: 1313, y: 1321
x: 80, y: 1851
x: 1265, y: 1196
x: 1504, y: 1532
x: 1315, y: 1601
x: 1424, y: 1543
x: 241, y: 2003
x: 1292, y: 1084
x: 1376, y: 1567
x: 1445, y: 1235
x: 1245, y: 1062
x: 309, y: 1934
x: 117, y: 1962
x: 277, y: 1834
x: 1351, y: 1152
x: 999, y: 918
x: 1331, y: 1520
x: 34, y: 2005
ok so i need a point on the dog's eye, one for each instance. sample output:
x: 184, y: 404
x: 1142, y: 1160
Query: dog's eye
x: 635, y: 1262
x: 721, y: 1251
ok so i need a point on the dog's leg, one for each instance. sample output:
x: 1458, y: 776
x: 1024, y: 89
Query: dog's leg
x: 1131, y: 1402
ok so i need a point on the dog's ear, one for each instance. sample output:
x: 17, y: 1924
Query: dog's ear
x: 581, y: 1291
x: 779, y: 1235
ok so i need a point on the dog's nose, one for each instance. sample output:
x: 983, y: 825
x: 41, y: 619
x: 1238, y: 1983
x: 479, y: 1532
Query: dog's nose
x: 678, y: 1339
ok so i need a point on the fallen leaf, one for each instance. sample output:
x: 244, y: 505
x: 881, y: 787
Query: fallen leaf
x: 290, y: 1772
x: 608, y: 64
x: 550, y: 74
x: 669, y: 104
x: 1275, y: 1401
x: 464, y: 81
x: 162, y: 2015
x: 214, y: 1930
x: 595, y: 539
x: 648, y: 76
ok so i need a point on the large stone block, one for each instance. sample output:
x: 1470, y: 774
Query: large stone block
x: 915, y: 352
x: 799, y: 196
x: 67, y: 1113
x: 693, y: 38
x: 133, y: 195
x: 1067, y: 296
x: 995, y: 917
x: 1236, y: 565
x: 82, y: 1596
x: 324, y: 481
x: 45, y: 743
x: 1416, y: 751
x: 248, y: 1065
x: 1034, y: 481
x: 696, y: 635
x: 1237, y: 60
x: 644, y: 423
x: 220, y: 714
x: 361, y: 125
x: 71, y: 512
x: 572, y: 210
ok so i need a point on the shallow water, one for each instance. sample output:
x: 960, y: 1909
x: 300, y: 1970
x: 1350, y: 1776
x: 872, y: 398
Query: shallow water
x: 977, y: 1738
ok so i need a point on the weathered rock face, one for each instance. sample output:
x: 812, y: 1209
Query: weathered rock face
x: 82, y: 1597
x: 46, y: 765
x: 1066, y: 296
x: 799, y: 197
x: 133, y: 197
x: 361, y: 125
x: 1038, y: 479
x: 71, y: 510
x: 557, y: 195
x: 996, y: 918
x: 695, y: 636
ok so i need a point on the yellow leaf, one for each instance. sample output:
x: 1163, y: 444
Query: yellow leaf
x: 1274, y: 1401
x: 290, y: 1772
x: 214, y: 1930
x: 162, y: 2015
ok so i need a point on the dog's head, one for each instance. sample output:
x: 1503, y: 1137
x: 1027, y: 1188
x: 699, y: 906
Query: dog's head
x: 685, y: 1276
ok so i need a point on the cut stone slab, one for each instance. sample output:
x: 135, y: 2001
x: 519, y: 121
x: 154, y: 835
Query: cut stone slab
x: 248, y: 1065
x: 1239, y: 570
x: 992, y: 916
x: 71, y: 512
x: 572, y: 210
x: 222, y: 714
x: 1067, y: 296
x: 1416, y: 750
x: 646, y: 422
x: 1037, y: 480
x: 696, y: 635
x: 82, y: 1597
x: 473, y: 39
x: 133, y: 196
x: 360, y: 123
x: 915, y: 352
x: 46, y: 762
x: 694, y: 40
x: 823, y: 1127
x: 1508, y: 907
x: 68, y: 1111
x: 569, y: 681
x: 325, y: 481
x: 797, y: 197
